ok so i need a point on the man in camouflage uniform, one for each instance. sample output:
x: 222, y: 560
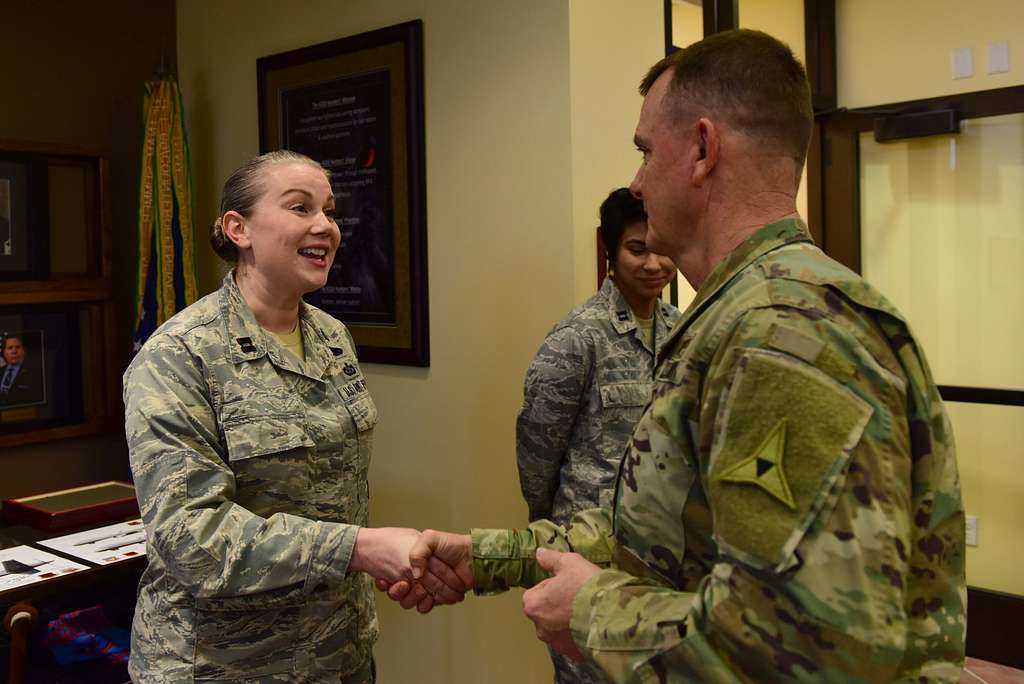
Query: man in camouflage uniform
x: 789, y: 505
x: 589, y: 383
x: 246, y: 461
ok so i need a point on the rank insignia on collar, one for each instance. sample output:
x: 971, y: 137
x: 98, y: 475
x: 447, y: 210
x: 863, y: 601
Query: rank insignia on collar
x: 246, y: 344
x: 764, y: 469
x: 623, y: 316
x: 348, y: 369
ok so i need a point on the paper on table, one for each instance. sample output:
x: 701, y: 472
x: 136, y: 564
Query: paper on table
x: 103, y: 545
x: 23, y: 565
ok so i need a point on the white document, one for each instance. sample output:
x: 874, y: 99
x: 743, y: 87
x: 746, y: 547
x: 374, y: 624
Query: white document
x: 21, y: 565
x: 103, y: 545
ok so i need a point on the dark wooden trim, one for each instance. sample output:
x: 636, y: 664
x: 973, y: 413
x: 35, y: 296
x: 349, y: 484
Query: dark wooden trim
x: 720, y: 15
x: 840, y: 195
x: 993, y: 626
x: 814, y: 187
x: 667, y: 8
x: 976, y: 105
x: 982, y: 395
x: 820, y: 49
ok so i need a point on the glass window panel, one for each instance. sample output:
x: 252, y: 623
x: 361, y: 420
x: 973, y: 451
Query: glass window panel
x: 988, y: 441
x: 942, y: 233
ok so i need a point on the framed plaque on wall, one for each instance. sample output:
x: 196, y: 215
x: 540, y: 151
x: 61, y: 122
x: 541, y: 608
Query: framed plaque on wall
x: 356, y: 106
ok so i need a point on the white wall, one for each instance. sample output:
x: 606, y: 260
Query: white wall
x: 501, y: 245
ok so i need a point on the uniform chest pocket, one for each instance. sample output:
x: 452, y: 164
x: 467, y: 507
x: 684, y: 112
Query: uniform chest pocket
x: 268, y: 450
x: 625, y: 394
x: 259, y: 435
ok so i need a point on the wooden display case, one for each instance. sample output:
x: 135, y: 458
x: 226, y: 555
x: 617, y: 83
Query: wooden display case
x: 79, y: 278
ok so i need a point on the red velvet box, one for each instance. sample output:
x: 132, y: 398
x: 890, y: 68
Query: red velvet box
x: 96, y: 504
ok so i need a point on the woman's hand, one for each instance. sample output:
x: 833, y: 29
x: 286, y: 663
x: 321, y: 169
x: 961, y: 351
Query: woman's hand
x: 441, y: 562
x: 384, y: 554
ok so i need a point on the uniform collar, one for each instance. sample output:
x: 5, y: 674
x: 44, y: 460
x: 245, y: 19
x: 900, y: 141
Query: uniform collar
x: 624, y: 321
x: 767, y: 239
x: 619, y: 312
x: 247, y: 339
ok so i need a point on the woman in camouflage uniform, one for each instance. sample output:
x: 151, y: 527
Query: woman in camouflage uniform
x: 250, y: 429
x: 590, y: 381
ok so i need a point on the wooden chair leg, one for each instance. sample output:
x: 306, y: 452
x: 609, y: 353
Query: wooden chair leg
x: 18, y: 622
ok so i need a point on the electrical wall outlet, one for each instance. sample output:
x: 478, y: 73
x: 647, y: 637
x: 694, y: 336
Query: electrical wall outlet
x: 972, y: 530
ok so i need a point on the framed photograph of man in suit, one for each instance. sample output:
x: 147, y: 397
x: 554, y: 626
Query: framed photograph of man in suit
x: 40, y: 367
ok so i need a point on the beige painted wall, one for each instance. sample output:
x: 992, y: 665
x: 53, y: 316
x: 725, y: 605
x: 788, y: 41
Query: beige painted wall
x: 895, y: 51
x: 500, y: 215
x: 612, y: 43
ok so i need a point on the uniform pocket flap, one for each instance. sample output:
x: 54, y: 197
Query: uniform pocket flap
x: 283, y: 597
x: 265, y: 435
x: 626, y: 394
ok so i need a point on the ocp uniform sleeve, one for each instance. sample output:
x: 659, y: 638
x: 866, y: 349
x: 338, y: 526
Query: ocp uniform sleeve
x: 808, y: 483
x: 555, y: 383
x: 504, y: 558
x: 211, y: 545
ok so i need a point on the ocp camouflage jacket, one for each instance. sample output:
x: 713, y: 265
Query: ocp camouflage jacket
x: 788, y: 507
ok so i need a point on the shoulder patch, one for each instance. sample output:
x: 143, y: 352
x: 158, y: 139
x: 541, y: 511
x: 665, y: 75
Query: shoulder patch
x: 783, y: 439
x: 765, y: 467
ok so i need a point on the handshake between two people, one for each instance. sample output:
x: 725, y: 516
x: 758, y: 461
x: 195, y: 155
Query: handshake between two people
x: 438, y: 570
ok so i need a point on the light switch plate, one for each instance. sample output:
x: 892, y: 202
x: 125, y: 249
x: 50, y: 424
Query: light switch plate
x: 998, y: 57
x: 972, y: 530
x: 963, y: 63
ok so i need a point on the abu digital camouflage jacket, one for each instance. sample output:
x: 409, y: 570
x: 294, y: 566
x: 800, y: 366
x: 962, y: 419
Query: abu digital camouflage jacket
x: 788, y: 507
x: 251, y: 472
x: 585, y: 390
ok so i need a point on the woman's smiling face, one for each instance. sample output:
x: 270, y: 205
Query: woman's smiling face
x: 292, y: 233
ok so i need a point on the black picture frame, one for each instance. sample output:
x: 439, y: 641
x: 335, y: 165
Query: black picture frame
x: 356, y: 106
x: 24, y: 216
x: 47, y: 389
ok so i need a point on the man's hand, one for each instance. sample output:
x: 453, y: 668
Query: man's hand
x: 441, y: 564
x: 549, y: 603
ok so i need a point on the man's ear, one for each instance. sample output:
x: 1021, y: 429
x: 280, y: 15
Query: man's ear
x: 236, y: 229
x: 709, y: 145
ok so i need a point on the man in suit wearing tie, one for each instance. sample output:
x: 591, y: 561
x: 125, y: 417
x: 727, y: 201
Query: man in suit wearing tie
x: 19, y: 383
